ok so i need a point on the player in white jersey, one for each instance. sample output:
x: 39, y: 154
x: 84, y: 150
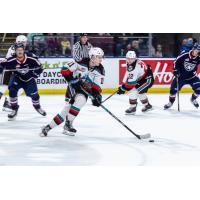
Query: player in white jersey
x: 138, y: 79
x: 85, y: 76
x: 19, y: 39
x: 5, y: 77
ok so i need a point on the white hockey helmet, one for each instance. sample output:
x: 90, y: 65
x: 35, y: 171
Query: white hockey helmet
x: 96, y: 51
x: 131, y: 54
x: 21, y: 39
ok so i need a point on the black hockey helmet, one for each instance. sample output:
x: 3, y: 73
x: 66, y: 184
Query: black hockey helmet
x: 18, y: 45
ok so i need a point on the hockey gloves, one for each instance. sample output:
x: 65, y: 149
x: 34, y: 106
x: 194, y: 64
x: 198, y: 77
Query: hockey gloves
x: 96, y: 101
x: 121, y: 90
x: 97, y: 98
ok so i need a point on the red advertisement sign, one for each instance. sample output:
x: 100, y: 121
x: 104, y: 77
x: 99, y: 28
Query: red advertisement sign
x: 162, y: 69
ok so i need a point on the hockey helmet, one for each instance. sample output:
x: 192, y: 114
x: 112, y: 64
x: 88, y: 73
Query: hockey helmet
x: 21, y: 38
x: 96, y: 51
x: 131, y: 54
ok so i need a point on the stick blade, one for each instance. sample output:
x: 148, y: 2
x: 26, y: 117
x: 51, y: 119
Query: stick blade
x: 145, y: 136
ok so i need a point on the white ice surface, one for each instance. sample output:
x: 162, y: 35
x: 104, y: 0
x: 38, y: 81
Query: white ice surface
x: 100, y: 139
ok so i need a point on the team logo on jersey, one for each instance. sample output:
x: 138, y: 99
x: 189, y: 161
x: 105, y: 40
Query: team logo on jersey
x: 22, y: 70
x: 189, y: 66
x: 130, y: 68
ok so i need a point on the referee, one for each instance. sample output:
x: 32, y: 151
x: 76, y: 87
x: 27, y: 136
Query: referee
x: 81, y: 48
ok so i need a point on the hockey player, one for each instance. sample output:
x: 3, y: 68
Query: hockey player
x: 185, y: 72
x: 87, y: 76
x: 24, y: 71
x: 138, y: 79
x: 80, y: 52
x: 6, y: 76
x: 19, y: 39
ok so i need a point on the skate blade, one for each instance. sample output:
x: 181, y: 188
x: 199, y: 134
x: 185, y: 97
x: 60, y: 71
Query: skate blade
x: 195, y: 106
x: 11, y: 119
x: 147, y: 110
x: 130, y: 113
x: 6, y: 109
x: 166, y: 108
x: 43, y: 114
x: 68, y: 133
x: 42, y: 135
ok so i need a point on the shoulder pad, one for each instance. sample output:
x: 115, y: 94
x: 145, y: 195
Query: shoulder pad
x: 12, y: 47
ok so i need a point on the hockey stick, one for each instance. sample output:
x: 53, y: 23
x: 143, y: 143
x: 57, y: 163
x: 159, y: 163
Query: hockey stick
x: 145, y: 136
x: 178, y: 100
x: 14, y: 70
x: 109, y: 96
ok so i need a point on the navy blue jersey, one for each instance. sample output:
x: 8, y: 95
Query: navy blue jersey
x: 186, y: 65
x: 26, y: 70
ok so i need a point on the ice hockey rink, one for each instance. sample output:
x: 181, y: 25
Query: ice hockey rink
x: 100, y: 139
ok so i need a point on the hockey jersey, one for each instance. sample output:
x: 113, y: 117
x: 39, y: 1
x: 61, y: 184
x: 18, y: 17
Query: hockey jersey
x: 186, y: 65
x: 135, y: 73
x: 92, y: 78
x: 28, y: 69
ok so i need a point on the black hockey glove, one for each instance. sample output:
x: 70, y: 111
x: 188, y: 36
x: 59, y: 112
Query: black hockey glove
x: 121, y: 90
x: 96, y: 101
x: 97, y: 98
x: 176, y: 73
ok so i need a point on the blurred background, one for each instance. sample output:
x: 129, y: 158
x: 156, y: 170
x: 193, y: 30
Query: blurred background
x: 113, y: 44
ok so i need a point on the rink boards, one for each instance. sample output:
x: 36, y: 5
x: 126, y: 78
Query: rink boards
x: 51, y: 81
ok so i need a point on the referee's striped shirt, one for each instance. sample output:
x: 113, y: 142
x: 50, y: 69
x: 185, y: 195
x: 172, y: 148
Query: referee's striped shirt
x: 81, y: 51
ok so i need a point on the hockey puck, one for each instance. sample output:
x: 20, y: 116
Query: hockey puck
x: 151, y: 140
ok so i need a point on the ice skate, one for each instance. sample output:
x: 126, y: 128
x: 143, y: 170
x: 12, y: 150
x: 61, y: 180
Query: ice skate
x: 194, y: 103
x: 147, y: 108
x: 45, y: 130
x: 130, y: 111
x: 6, y: 105
x: 167, y: 106
x: 69, y: 129
x: 12, y: 116
x: 40, y: 111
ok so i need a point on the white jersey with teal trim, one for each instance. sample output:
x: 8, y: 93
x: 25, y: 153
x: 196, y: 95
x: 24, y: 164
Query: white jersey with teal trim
x: 89, y: 75
x: 11, y: 52
x: 135, y: 72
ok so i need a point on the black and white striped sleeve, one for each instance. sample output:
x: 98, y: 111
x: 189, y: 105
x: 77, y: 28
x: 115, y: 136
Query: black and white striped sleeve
x: 76, y: 53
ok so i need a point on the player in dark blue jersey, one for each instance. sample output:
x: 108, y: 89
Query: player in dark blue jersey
x: 185, y: 72
x: 6, y: 76
x: 25, y: 69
